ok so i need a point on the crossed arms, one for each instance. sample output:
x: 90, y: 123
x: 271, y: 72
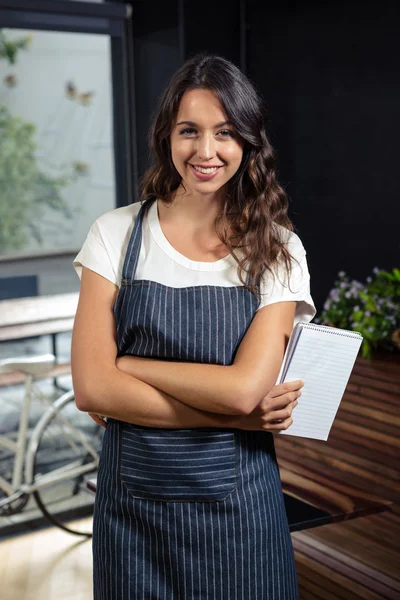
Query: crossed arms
x: 170, y: 394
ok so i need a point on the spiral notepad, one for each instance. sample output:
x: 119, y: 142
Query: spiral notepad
x: 323, y: 357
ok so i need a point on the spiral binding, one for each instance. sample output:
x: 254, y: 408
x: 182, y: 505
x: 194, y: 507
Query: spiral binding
x: 332, y: 330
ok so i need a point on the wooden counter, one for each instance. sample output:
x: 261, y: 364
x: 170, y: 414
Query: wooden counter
x: 356, y: 472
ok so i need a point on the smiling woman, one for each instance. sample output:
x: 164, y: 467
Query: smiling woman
x: 209, y: 149
x: 216, y: 120
x: 186, y: 305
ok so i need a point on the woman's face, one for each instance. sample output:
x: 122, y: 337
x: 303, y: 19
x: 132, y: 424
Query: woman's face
x: 206, y: 150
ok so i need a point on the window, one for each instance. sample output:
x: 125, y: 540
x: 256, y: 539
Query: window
x: 66, y: 151
x: 56, y: 142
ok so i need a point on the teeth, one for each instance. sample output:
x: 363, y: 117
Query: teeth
x: 208, y: 170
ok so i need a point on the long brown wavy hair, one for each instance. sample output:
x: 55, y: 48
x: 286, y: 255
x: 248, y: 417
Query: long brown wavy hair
x: 255, y: 202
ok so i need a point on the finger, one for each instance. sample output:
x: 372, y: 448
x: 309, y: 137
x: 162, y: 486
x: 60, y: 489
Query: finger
x: 287, y: 386
x: 269, y: 404
x: 280, y: 415
x: 101, y: 422
x: 283, y: 426
x: 98, y: 419
x: 286, y: 424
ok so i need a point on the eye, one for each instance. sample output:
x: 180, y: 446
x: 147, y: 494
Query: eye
x: 187, y: 130
x: 224, y: 132
x: 227, y: 131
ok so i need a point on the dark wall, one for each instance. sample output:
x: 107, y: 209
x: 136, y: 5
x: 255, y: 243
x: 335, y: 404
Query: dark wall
x: 157, y: 55
x: 330, y: 79
x: 216, y: 29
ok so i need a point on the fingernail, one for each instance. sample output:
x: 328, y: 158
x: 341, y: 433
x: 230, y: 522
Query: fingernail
x: 299, y: 394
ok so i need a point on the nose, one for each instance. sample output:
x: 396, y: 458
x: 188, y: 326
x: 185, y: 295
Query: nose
x: 206, y: 146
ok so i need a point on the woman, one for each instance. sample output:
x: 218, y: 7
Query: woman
x: 187, y: 302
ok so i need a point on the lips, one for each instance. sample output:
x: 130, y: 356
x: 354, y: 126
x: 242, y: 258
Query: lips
x: 206, y: 166
x: 205, y: 176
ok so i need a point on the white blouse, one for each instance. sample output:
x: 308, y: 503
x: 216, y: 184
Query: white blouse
x: 106, y: 243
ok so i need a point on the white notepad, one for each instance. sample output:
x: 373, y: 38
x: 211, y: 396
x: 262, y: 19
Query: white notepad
x: 323, y: 357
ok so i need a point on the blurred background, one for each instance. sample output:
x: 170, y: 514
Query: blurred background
x: 78, y: 87
x: 78, y: 84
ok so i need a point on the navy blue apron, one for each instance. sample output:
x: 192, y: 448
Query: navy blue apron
x: 187, y: 514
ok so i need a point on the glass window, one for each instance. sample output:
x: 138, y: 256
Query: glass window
x: 56, y: 139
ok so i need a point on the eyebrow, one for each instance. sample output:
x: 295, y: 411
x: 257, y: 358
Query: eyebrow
x: 193, y: 124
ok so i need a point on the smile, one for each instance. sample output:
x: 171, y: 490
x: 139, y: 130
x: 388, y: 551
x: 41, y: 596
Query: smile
x: 204, y: 173
x: 205, y: 169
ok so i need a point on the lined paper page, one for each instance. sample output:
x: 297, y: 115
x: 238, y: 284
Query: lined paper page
x: 324, y: 361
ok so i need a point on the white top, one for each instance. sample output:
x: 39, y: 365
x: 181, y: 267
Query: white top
x: 107, y: 241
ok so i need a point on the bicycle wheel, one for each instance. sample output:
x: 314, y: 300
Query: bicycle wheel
x: 63, y: 453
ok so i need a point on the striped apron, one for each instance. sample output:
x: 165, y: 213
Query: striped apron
x: 188, y: 514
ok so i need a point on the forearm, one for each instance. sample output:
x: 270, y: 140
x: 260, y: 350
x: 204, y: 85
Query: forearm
x: 121, y: 396
x: 214, y: 388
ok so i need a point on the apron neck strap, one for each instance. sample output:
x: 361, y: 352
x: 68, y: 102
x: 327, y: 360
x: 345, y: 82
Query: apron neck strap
x: 135, y: 241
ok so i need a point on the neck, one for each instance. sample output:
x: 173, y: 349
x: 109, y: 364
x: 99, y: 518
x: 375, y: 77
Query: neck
x: 191, y: 210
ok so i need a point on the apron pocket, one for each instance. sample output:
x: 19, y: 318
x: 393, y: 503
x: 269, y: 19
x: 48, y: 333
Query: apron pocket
x: 185, y: 465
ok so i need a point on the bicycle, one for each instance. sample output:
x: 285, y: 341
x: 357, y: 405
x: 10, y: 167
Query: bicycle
x: 55, y: 461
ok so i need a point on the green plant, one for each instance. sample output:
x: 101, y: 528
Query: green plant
x: 372, y: 308
x: 9, y: 48
x: 25, y: 190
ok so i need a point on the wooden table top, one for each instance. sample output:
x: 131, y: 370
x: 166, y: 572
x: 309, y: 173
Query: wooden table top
x: 38, y: 315
x: 356, y: 472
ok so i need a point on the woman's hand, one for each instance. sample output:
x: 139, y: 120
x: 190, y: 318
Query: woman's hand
x: 274, y: 413
x: 99, y: 419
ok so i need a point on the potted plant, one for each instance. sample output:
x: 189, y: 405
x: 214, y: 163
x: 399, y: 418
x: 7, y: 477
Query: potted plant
x: 371, y: 308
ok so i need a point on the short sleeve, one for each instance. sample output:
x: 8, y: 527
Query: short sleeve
x: 94, y: 256
x: 279, y: 289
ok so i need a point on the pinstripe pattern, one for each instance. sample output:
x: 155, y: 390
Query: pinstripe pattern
x: 185, y: 465
x: 187, y: 514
